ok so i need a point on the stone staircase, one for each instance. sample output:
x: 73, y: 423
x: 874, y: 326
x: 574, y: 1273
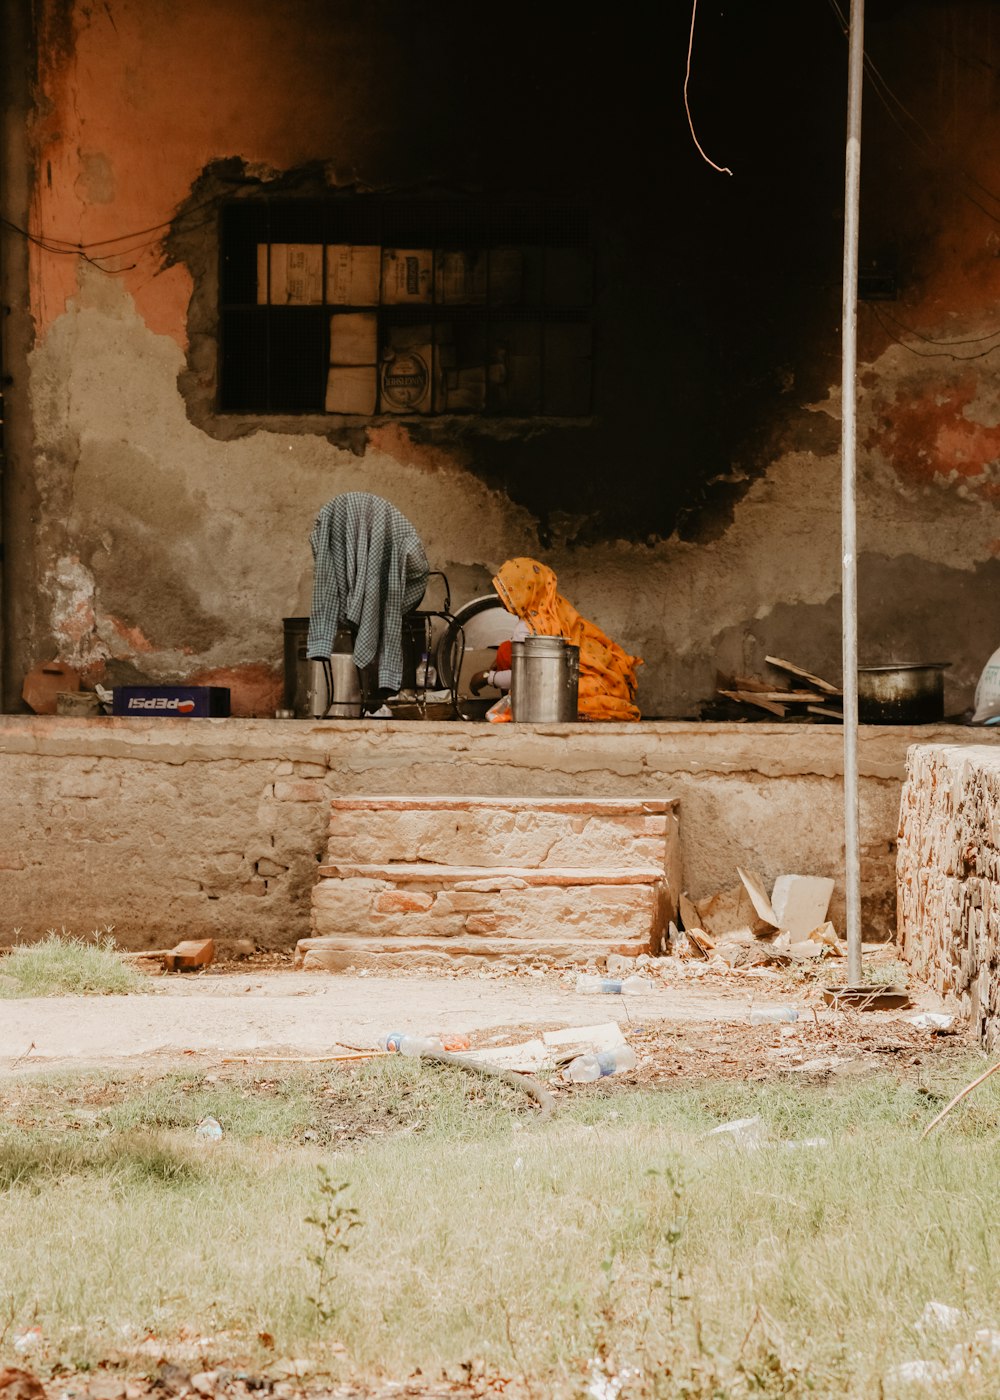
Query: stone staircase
x: 456, y: 881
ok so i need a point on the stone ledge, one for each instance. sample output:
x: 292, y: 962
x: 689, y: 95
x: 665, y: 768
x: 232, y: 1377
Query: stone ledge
x: 479, y: 877
x: 569, y: 806
x: 332, y: 954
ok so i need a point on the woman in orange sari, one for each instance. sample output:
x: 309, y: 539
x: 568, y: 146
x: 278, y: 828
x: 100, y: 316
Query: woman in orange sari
x: 607, y: 673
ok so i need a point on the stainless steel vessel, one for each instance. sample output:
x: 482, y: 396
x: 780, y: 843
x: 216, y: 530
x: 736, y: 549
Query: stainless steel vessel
x: 335, y: 688
x: 545, y: 681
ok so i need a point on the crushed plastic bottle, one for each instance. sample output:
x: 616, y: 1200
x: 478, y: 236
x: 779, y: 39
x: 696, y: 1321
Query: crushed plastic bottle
x: 773, y: 1015
x: 412, y: 1045
x: 208, y: 1130
x: 596, y: 1064
x: 612, y: 985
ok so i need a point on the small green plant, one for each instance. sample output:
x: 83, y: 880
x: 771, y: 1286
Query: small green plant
x: 64, y: 964
x: 334, y: 1220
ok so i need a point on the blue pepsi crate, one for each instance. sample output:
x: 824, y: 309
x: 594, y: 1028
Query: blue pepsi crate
x: 176, y: 701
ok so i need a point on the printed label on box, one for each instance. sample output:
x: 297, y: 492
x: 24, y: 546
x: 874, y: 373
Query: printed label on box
x: 296, y: 274
x: 406, y: 275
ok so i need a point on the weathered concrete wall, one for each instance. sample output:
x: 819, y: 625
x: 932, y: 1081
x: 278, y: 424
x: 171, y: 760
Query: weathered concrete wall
x: 949, y: 876
x: 696, y: 517
x: 166, y: 828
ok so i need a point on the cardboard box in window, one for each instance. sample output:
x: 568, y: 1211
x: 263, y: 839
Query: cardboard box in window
x: 352, y: 389
x: 405, y: 370
x: 460, y: 278
x: 354, y: 338
x: 407, y: 276
x: 296, y: 274
x: 352, y: 274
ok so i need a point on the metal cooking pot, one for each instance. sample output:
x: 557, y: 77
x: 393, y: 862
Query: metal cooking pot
x: 906, y: 693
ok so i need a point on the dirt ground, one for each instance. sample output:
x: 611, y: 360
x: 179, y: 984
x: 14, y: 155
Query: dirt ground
x: 692, y: 1022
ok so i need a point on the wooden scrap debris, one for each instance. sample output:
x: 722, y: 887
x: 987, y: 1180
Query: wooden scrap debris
x: 186, y: 956
x: 807, y: 698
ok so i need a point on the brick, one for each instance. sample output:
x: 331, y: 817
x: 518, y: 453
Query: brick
x: 304, y: 790
x: 402, y: 902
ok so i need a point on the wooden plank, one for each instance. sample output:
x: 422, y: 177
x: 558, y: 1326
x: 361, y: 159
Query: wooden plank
x: 746, y: 697
x: 794, y: 670
x: 825, y: 711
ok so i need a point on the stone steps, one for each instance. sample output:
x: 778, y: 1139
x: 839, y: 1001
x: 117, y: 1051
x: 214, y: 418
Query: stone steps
x: 503, y: 830
x: 445, y: 881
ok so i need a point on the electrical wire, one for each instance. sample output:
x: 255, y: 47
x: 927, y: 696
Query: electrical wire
x: 928, y: 354
x: 722, y: 169
x: 886, y: 95
x: 931, y: 340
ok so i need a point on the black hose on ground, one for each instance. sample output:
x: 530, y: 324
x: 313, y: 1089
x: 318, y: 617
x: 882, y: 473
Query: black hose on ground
x: 524, y: 1082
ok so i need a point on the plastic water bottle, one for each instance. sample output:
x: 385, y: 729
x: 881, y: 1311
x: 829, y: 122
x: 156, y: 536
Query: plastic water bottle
x: 773, y: 1015
x: 426, y: 673
x: 614, y: 986
x: 412, y: 1045
x: 596, y: 1064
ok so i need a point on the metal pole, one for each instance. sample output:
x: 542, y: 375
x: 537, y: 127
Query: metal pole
x: 849, y: 584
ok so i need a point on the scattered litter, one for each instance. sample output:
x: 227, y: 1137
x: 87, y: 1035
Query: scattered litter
x: 768, y: 1015
x: 29, y: 1340
x: 186, y: 956
x: 518, y: 1165
x: 758, y: 896
x: 932, y: 1021
x: 411, y: 1045
x: 455, y: 1041
x: 748, y: 1133
x: 963, y: 1359
x: 933, y: 1372
x: 818, y: 1066
x: 606, y: 1036
x: 610, y: 985
x: 586, y: 1068
x: 527, y: 1057
x: 602, y: 1386
x: 938, y: 1317
x: 209, y: 1130
x: 800, y: 903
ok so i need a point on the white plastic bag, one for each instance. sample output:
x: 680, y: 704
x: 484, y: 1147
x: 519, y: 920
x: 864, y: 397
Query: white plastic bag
x: 987, y: 701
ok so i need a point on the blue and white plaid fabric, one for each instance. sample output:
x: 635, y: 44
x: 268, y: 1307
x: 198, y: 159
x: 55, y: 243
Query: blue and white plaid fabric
x: 369, y: 570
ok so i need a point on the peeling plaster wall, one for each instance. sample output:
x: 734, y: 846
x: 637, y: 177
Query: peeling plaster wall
x: 696, y: 517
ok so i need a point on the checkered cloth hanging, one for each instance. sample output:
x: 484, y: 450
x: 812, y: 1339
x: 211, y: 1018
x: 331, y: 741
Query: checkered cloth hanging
x: 369, y: 569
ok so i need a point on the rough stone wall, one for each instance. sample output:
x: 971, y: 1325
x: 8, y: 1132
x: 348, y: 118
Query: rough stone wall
x: 144, y: 540
x: 170, y: 828
x: 949, y: 876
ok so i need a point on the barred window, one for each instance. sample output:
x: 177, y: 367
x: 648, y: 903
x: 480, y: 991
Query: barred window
x: 365, y: 307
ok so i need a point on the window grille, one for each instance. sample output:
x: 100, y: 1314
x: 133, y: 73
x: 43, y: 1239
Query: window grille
x: 367, y: 307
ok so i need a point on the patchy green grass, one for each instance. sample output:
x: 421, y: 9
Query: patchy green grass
x: 617, y: 1233
x: 64, y: 965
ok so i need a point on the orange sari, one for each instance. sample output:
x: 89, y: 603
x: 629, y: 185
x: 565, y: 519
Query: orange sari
x: 607, y: 673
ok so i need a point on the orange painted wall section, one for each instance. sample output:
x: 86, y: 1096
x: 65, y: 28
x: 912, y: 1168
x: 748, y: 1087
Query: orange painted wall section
x: 135, y: 97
